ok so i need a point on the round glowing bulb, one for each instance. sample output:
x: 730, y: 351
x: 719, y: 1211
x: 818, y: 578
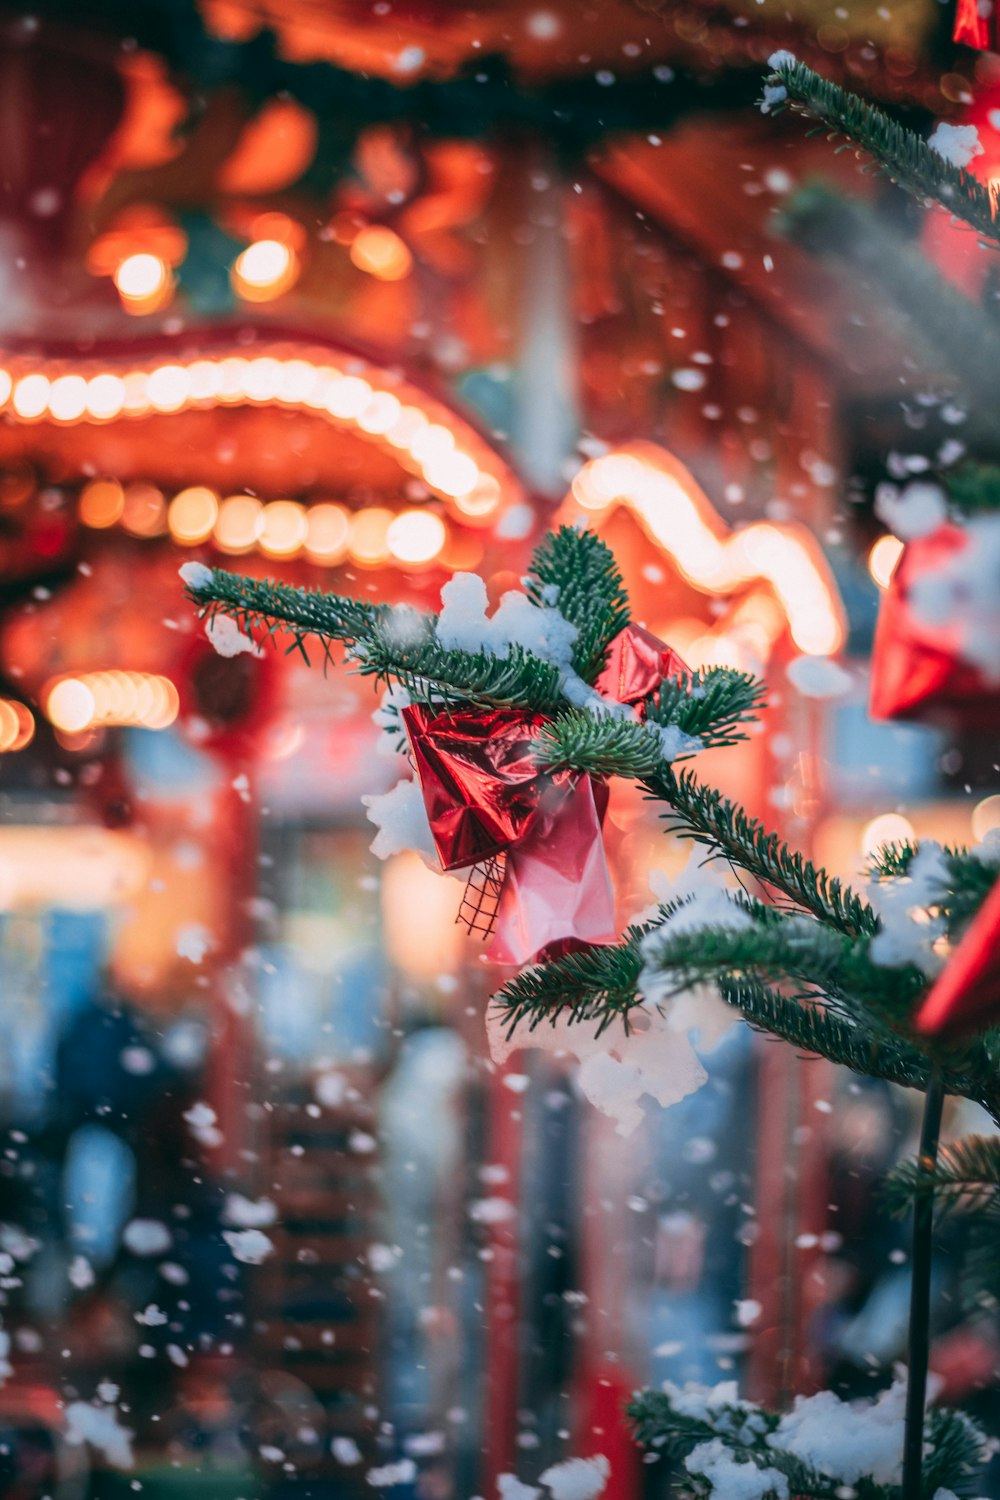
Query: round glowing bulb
x: 6, y: 386
x: 26, y: 726
x: 410, y: 421
x: 192, y: 515
x: 432, y: 443
x: 887, y: 828
x: 144, y: 512
x: 347, y: 397
x: 380, y: 252
x: 482, y: 500
x: 416, y: 536
x: 31, y: 396
x: 10, y: 725
x: 328, y: 528
x: 265, y: 269
x: 380, y: 414
x: 453, y: 474
x: 70, y: 705
x: 68, y: 398
x: 168, y: 388
x: 105, y: 396
x: 239, y: 525
x: 284, y: 530
x: 143, y: 281
x: 369, y: 543
x: 883, y: 558
x: 101, y: 503
x: 986, y: 816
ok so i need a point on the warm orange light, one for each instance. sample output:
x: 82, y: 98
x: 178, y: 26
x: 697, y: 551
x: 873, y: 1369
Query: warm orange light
x: 327, y: 532
x: 380, y: 414
x: 17, y: 727
x: 453, y: 474
x: 681, y: 520
x: 379, y: 250
x: 265, y: 269
x: 431, y: 443
x: 101, y: 503
x: 883, y: 557
x: 70, y: 705
x: 105, y: 396
x: 6, y: 386
x: 482, y: 500
x: 143, y: 282
x: 144, y: 512
x: 168, y: 387
x: 887, y: 828
x: 241, y: 519
x: 416, y: 536
x: 406, y: 426
x: 31, y: 396
x: 68, y: 398
x: 986, y: 816
x: 139, y: 699
x: 192, y: 515
x: 369, y: 541
x: 347, y: 397
x: 284, y: 530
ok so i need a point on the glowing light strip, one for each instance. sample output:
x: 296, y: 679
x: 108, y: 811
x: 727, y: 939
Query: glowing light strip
x: 680, y: 518
x: 423, y: 436
x: 79, y: 703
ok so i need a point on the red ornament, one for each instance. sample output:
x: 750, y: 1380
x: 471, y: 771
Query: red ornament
x: 541, y: 880
x: 917, y: 668
x: 976, y: 26
x: 967, y: 995
x: 637, y: 663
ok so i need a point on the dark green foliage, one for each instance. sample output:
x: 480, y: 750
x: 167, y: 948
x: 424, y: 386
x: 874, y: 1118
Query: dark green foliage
x: 966, y: 1171
x: 577, y: 572
x: 595, y: 985
x: 974, y: 489
x: 900, y: 153
x: 954, y: 1455
x: 261, y: 607
x: 711, y: 704
x: 703, y: 814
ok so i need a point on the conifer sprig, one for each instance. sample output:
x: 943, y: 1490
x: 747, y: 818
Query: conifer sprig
x: 576, y: 572
x: 900, y: 153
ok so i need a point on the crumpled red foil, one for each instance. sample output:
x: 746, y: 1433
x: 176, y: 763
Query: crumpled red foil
x: 966, y: 996
x: 486, y: 797
x: 917, y: 668
x: 479, y: 780
x: 637, y: 663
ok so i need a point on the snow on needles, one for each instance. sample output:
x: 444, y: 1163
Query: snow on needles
x: 908, y: 932
x: 957, y: 144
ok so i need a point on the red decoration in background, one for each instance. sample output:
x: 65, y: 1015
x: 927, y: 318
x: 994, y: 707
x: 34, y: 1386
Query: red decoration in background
x: 487, y: 801
x: 917, y: 669
x: 974, y: 28
x: 967, y: 995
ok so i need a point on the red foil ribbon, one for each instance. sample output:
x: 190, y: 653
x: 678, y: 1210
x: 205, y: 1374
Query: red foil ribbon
x: 487, y: 798
x: 917, y: 669
x: 966, y: 996
x: 974, y: 29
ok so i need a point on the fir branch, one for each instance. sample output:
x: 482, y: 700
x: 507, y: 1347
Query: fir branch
x: 900, y: 153
x: 709, y: 704
x: 705, y: 709
x: 517, y: 680
x: 812, y: 1028
x: 576, y: 571
x: 595, y: 984
x: 966, y: 1172
x: 703, y: 814
x: 970, y: 879
x: 261, y: 607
